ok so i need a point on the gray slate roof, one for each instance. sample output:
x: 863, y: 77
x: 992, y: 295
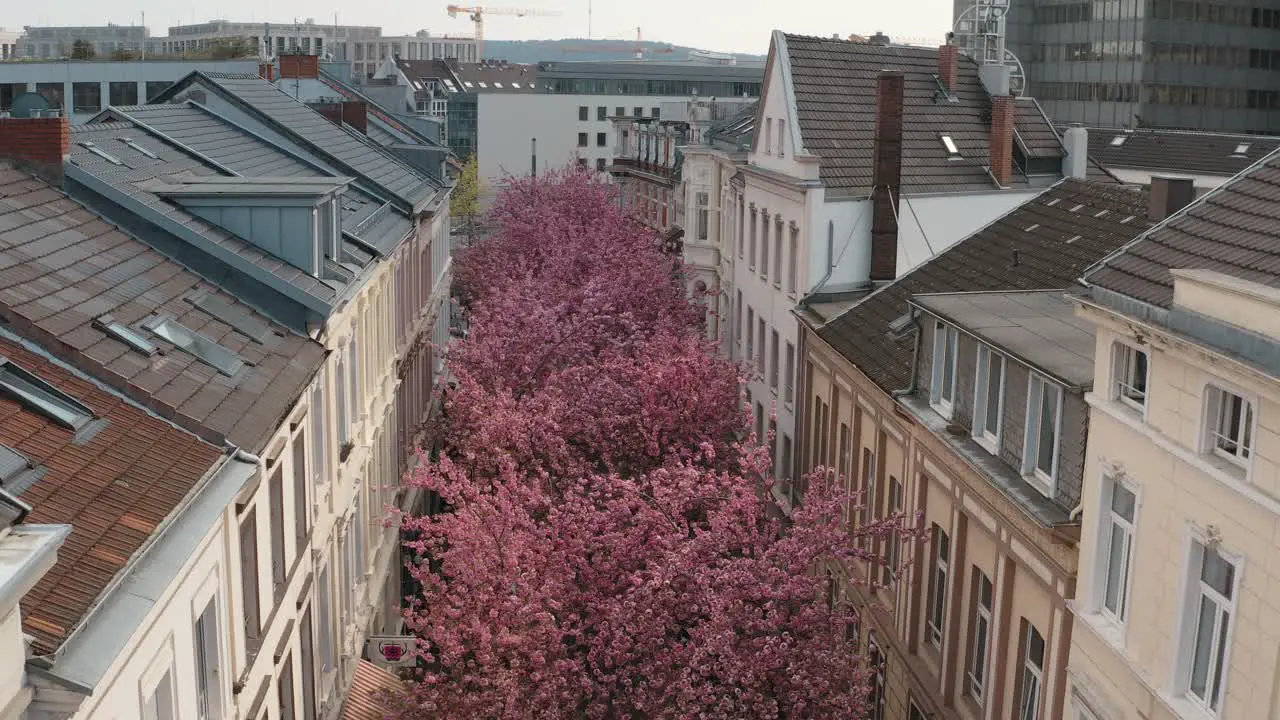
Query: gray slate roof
x: 835, y: 92
x: 736, y: 132
x: 1234, y: 230
x: 1056, y: 235
x: 1179, y: 151
x: 345, y: 146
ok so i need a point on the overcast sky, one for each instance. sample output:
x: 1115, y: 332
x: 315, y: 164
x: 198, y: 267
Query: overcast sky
x: 726, y: 25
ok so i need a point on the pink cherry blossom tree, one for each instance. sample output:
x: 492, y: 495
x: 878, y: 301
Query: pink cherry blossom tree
x: 611, y: 548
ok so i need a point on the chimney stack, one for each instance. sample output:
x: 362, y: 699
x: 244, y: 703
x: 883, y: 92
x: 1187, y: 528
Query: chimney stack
x: 948, y: 66
x: 267, y: 71
x: 1168, y: 195
x: 886, y: 176
x: 356, y: 114
x: 299, y: 67
x: 41, y: 144
x: 1001, y: 151
x: 1076, y: 163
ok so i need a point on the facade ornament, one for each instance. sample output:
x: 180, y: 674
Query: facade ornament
x: 1212, y: 535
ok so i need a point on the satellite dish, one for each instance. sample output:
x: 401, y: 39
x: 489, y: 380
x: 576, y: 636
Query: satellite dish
x: 27, y: 103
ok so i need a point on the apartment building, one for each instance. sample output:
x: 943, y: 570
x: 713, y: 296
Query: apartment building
x: 9, y: 44
x: 957, y: 392
x: 234, y: 180
x: 1176, y: 604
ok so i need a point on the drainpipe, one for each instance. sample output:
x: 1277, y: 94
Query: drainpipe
x: 915, y: 361
x: 831, y: 266
x: 1075, y: 512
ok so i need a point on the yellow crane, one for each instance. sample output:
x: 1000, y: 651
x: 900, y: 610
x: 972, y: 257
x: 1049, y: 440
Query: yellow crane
x: 477, y: 16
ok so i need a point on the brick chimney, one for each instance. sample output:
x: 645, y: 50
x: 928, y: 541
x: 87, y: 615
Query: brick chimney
x: 41, y: 144
x: 299, y: 66
x: 886, y: 175
x: 1168, y: 195
x: 356, y: 114
x: 948, y: 66
x: 1001, y: 152
x: 330, y: 110
x: 267, y: 71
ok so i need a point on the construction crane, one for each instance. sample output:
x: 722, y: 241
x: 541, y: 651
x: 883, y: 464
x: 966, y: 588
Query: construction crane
x: 477, y: 16
x: 638, y: 50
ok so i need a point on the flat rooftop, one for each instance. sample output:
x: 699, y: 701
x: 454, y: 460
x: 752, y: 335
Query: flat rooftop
x: 1037, y: 327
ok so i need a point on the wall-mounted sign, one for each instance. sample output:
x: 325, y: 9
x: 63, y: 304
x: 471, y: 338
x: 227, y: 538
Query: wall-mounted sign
x: 391, y: 650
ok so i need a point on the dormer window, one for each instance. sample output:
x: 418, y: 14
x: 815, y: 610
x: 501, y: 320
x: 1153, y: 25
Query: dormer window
x: 950, y: 144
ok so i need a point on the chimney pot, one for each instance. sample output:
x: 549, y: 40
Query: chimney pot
x: 948, y: 66
x: 1001, y: 149
x: 886, y: 175
x: 42, y: 144
x: 1168, y: 195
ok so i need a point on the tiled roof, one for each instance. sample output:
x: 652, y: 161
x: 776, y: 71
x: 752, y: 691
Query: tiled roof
x: 737, y: 131
x: 1235, y: 229
x: 246, y: 154
x: 62, y: 266
x: 370, y: 681
x: 1055, y: 236
x: 1179, y: 151
x: 114, y: 488
x: 340, y: 144
x: 1095, y: 172
x: 378, y: 116
x: 835, y: 92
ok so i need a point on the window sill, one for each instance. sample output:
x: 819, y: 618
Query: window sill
x: 946, y: 411
x: 1042, y: 483
x: 991, y: 445
x: 1106, y: 629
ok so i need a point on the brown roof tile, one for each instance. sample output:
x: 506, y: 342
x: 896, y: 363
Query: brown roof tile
x: 54, y: 291
x: 1234, y: 229
x: 84, y: 485
x: 1074, y: 223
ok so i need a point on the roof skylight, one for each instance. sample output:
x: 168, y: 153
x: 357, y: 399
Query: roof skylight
x: 497, y: 85
x: 40, y: 396
x: 126, y: 335
x: 101, y: 153
x: 483, y: 85
x: 1118, y: 140
x: 225, y: 361
x: 130, y: 142
x: 467, y: 83
x: 1242, y: 148
x: 515, y: 85
x: 1032, y: 227
x: 950, y: 145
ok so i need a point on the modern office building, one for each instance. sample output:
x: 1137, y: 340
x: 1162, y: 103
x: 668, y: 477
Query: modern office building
x: 59, y: 41
x: 9, y: 44
x: 1150, y: 63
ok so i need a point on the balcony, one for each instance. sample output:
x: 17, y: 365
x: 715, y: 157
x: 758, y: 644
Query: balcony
x: 643, y: 169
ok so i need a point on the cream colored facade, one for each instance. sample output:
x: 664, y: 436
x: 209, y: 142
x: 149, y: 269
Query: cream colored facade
x: 1031, y: 568
x: 1191, y: 500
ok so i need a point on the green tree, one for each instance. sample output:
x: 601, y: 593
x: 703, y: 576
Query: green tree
x: 82, y: 50
x: 465, y: 201
x: 124, y: 54
x: 229, y: 48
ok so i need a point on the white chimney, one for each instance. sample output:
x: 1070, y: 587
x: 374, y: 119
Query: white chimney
x: 1076, y: 141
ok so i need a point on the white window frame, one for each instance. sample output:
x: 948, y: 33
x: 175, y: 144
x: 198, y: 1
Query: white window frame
x: 943, y: 332
x: 1214, y: 392
x: 789, y: 371
x: 1037, y: 385
x: 202, y: 599
x: 1195, y: 591
x: 1123, y: 364
x: 975, y: 686
x: 1031, y: 671
x: 894, y: 503
x: 939, y: 578
x: 162, y: 665
x: 982, y: 397
x: 1110, y: 524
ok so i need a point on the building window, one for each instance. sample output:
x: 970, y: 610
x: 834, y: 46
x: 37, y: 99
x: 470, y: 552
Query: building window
x: 318, y: 431
x: 742, y: 226
x: 764, y: 246
x: 793, y: 255
x: 751, y: 259
x: 760, y: 438
x: 620, y: 112
x: 1032, y: 673
x: 938, y: 586
x: 914, y: 712
x: 893, y: 559
x: 657, y: 113
x: 601, y: 164
x: 737, y: 327
x: 768, y: 136
x: 777, y: 252
x: 208, y: 667
x: 249, y: 575
x: 602, y: 139
x: 1044, y: 417
x: 1231, y: 429
x: 637, y: 112
x: 582, y: 162
x: 325, y: 617
x: 53, y: 93
x: 980, y: 647
x: 1208, y: 630
x: 988, y: 402
x: 1118, y: 549
x: 153, y: 88
x: 279, y: 570
x: 773, y: 361
x: 582, y: 139
x: 946, y: 343
x: 584, y: 113
x: 86, y: 97
x: 1129, y: 375
x: 868, y: 499
x: 786, y: 456
x: 301, y: 506
x: 782, y: 134
x: 122, y: 94
x: 602, y: 113
x: 751, y: 324
x: 284, y: 689
x: 879, y: 665
x: 158, y: 704
x: 789, y: 371
x: 702, y: 200
x: 760, y: 349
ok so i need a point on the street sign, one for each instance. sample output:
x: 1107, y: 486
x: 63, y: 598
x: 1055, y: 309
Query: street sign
x: 392, y: 650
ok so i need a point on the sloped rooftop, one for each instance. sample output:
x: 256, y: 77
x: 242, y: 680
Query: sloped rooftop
x: 1178, y: 151
x: 1042, y: 244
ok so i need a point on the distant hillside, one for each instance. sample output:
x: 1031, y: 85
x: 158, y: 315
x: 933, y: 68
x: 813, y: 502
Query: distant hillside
x: 532, y: 51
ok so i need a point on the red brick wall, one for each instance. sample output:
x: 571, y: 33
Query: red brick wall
x: 43, y: 143
x: 948, y: 65
x: 356, y: 114
x: 299, y: 66
x: 886, y: 175
x: 1001, y: 152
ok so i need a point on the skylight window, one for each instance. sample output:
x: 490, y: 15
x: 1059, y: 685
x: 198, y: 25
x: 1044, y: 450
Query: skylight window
x: 1127, y: 219
x: 1242, y: 148
x: 467, y: 83
x: 483, y: 85
x: 241, y: 322
x: 126, y: 335
x: 139, y: 148
x: 1053, y: 202
x: 101, y: 153
x: 1101, y: 213
x: 41, y: 397
x: 1118, y: 140
x: 497, y: 85
x: 1073, y: 239
x: 950, y: 145
x: 1077, y: 208
x: 515, y: 85
x: 225, y: 361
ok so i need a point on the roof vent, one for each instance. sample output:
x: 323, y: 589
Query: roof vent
x: 39, y: 396
x: 900, y: 325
